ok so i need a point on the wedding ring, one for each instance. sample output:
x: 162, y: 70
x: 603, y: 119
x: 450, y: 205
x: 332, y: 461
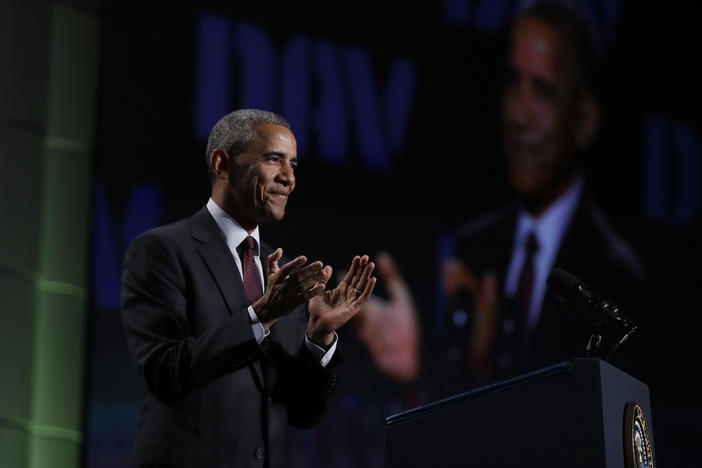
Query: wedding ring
x: 358, y: 291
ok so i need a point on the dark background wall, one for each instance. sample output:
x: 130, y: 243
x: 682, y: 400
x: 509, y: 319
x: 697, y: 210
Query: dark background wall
x: 396, y: 111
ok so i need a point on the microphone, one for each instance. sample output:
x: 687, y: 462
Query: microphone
x: 606, y: 316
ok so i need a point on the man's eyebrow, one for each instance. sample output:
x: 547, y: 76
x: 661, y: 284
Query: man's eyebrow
x: 279, y: 154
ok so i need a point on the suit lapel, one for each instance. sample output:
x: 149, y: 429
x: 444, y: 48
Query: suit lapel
x: 571, y: 254
x: 219, y: 261
x: 223, y: 270
x: 572, y: 257
x: 505, y: 237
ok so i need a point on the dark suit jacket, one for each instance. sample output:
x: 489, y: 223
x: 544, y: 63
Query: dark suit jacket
x: 216, y: 398
x: 590, y: 250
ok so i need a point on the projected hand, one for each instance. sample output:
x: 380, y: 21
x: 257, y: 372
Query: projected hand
x: 390, y: 328
x: 456, y: 276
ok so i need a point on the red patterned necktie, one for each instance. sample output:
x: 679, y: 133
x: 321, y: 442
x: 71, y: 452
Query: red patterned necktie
x: 252, y: 280
x: 525, y: 288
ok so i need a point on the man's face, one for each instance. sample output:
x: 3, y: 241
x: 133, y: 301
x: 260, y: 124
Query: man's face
x: 538, y: 110
x: 262, y: 177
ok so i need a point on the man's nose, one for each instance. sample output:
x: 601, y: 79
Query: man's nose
x: 286, y: 175
x: 518, y: 104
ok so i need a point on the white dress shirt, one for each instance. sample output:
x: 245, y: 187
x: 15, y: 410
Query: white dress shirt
x: 234, y: 235
x: 549, y: 229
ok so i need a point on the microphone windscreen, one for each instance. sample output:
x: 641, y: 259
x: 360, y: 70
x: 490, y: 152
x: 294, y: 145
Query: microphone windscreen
x: 562, y: 282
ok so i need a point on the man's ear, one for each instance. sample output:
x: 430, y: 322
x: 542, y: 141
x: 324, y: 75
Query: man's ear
x: 587, y: 121
x: 220, y: 161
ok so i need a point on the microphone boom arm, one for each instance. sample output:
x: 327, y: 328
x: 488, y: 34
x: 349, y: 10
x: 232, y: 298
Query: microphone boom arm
x: 611, y: 329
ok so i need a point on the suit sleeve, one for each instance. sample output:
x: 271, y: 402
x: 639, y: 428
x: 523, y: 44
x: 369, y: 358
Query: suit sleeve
x: 302, y: 384
x: 307, y: 387
x: 155, y: 315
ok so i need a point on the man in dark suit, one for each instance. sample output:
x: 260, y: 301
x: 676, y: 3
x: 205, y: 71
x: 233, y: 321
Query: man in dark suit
x: 233, y: 348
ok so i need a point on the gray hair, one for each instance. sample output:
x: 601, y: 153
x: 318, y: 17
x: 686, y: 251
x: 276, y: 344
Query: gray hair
x: 236, y: 130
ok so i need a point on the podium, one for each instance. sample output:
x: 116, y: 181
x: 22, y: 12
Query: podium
x: 580, y: 413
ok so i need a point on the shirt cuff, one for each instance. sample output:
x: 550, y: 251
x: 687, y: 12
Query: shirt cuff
x: 259, y: 332
x: 319, y: 353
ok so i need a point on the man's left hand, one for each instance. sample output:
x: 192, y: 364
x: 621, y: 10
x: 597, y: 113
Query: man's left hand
x: 333, y: 308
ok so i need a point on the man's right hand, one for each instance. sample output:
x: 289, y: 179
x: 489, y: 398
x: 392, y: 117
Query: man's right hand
x: 289, y: 286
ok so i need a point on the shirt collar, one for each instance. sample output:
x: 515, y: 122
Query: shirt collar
x: 550, y: 226
x: 234, y: 234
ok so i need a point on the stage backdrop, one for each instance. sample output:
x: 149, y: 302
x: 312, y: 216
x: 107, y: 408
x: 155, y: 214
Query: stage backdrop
x: 396, y: 114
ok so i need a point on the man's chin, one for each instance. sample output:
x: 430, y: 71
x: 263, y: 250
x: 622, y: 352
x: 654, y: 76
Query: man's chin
x: 276, y: 214
x: 526, y: 185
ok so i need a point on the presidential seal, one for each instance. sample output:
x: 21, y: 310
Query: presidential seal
x: 638, y: 450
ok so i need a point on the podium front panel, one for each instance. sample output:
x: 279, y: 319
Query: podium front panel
x: 570, y: 414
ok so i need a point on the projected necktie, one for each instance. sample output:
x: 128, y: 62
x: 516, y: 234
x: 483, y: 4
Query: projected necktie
x: 525, y: 289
